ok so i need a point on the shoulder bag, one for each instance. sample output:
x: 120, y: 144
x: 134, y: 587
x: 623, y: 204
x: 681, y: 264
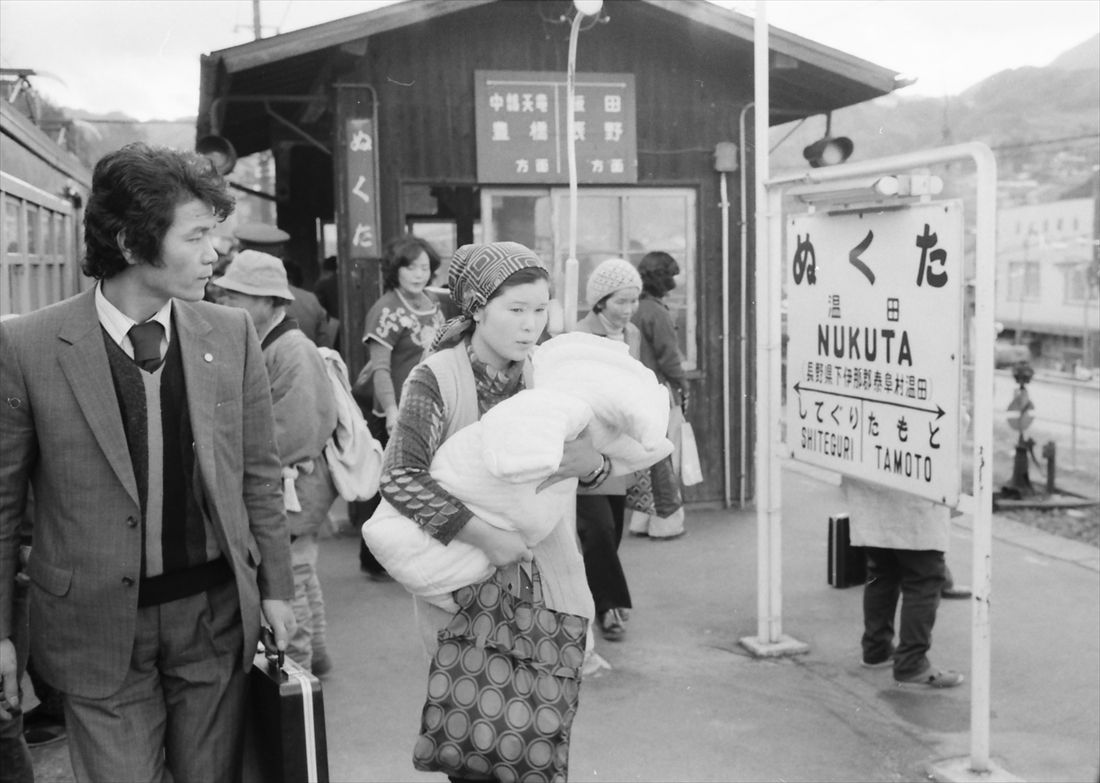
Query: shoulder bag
x: 503, y: 686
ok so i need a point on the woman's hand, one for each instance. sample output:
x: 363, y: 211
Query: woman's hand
x: 579, y: 459
x: 391, y: 419
x: 502, y: 547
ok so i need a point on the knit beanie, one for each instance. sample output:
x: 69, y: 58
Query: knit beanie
x: 610, y: 276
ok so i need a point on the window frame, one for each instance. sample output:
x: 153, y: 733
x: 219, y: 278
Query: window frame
x: 34, y: 280
x: 559, y: 207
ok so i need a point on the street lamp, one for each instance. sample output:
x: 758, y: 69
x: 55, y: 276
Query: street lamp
x: 570, y: 284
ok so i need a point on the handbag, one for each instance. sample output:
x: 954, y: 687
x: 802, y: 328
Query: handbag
x: 691, y: 471
x: 503, y: 686
x: 363, y: 388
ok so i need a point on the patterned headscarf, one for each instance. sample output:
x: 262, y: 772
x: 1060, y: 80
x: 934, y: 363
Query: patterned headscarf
x: 476, y: 272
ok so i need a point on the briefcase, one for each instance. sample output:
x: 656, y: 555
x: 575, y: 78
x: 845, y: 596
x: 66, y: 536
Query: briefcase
x: 285, y: 725
x: 847, y: 563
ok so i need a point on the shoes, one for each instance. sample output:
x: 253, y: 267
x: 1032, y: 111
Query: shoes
x: 877, y: 664
x: 956, y: 592
x: 667, y: 538
x: 40, y: 728
x: 321, y: 663
x: 594, y: 664
x: 932, y: 678
x: 887, y: 661
x: 611, y: 625
x: 376, y: 576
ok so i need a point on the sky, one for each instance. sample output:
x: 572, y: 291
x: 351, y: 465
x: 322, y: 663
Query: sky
x: 142, y: 58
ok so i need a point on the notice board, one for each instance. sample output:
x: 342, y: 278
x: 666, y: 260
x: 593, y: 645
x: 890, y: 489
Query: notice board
x: 521, y: 119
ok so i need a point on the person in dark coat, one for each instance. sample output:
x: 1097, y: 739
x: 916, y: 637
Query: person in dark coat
x: 657, y: 507
x: 306, y: 310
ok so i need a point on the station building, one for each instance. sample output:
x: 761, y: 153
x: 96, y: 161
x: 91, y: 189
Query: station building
x: 446, y: 118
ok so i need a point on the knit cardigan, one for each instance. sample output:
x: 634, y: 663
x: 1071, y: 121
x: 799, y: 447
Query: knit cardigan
x: 565, y: 586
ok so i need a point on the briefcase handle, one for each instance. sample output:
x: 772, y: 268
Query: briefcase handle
x: 271, y: 652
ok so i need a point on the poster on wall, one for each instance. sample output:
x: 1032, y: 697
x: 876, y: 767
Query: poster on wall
x: 521, y: 120
x: 874, y: 350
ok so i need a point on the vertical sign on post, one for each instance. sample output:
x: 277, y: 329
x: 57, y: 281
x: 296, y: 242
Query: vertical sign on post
x: 362, y: 181
x: 358, y: 221
x: 874, y: 351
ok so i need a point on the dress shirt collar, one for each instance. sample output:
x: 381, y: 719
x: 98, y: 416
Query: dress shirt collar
x: 118, y: 324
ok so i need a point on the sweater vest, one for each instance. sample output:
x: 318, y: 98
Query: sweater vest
x: 180, y: 553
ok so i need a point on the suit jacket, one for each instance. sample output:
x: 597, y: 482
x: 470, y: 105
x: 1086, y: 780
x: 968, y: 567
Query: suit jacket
x: 62, y: 432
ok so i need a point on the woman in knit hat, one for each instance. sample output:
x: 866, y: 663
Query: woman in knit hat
x: 655, y: 502
x: 612, y: 293
x: 479, y: 359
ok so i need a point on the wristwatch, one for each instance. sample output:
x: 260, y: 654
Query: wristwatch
x: 597, y: 476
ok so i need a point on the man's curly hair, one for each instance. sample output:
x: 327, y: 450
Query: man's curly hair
x: 135, y: 192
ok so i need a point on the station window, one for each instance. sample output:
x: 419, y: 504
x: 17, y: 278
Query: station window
x: 625, y: 223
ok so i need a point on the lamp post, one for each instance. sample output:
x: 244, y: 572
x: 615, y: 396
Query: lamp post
x: 570, y: 283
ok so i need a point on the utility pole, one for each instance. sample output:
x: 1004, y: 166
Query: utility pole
x: 257, y: 28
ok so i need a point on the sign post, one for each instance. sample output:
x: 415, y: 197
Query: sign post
x: 874, y: 345
x: 978, y: 766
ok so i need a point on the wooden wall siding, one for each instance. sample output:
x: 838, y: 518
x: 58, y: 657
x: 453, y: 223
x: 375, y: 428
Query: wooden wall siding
x: 690, y: 85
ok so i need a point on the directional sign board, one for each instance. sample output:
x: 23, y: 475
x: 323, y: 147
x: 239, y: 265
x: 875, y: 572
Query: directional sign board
x: 874, y: 350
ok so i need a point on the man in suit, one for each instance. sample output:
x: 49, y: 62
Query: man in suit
x: 141, y: 416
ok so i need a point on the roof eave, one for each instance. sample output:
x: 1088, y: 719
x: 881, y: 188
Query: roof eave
x: 336, y: 33
x: 782, y: 42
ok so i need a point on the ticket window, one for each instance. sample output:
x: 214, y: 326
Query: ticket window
x: 612, y: 222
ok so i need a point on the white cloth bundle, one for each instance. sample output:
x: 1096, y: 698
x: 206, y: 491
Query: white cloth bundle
x: 494, y: 465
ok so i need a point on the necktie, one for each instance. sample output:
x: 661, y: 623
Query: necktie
x: 146, y: 339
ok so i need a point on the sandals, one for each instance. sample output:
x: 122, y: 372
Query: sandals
x: 932, y: 678
x: 611, y: 625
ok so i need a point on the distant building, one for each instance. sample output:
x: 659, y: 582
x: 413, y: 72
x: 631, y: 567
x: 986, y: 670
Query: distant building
x: 1046, y: 284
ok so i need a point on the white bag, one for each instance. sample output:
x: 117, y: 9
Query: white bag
x: 354, y: 456
x: 691, y: 472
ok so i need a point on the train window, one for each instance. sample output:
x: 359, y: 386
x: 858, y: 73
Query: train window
x: 11, y: 226
x: 52, y: 219
x: 37, y: 247
x: 34, y: 231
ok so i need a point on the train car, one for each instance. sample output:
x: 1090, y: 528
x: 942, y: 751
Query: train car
x: 42, y: 191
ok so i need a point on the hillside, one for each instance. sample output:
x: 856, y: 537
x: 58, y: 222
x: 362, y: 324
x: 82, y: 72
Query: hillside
x: 1044, y: 123
x: 1082, y: 56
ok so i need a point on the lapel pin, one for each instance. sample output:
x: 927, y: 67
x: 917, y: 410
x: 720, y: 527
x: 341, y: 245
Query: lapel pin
x: 208, y: 357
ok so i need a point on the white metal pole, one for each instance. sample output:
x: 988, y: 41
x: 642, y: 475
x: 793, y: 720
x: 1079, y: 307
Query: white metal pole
x: 985, y: 229
x: 723, y: 186
x: 769, y: 622
x: 570, y: 283
x: 742, y: 345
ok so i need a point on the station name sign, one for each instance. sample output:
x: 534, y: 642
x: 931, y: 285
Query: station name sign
x: 874, y: 350
x: 521, y: 120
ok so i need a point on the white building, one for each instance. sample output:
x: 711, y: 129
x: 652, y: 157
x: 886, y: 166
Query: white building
x: 1044, y: 296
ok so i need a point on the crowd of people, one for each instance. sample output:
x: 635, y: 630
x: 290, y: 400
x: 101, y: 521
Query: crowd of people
x: 165, y: 481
